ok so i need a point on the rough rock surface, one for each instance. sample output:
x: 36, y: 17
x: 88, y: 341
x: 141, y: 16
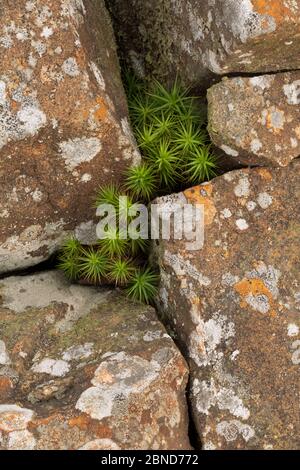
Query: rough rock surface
x: 257, y: 120
x: 193, y: 38
x: 63, y: 123
x: 235, y: 307
x: 84, y: 368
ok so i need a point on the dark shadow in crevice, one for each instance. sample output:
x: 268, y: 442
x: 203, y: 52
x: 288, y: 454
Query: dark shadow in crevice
x: 48, y: 265
x: 257, y: 74
x: 192, y: 431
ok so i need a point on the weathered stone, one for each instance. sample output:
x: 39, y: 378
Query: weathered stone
x: 63, y: 123
x: 193, y: 38
x: 257, y: 120
x: 235, y: 306
x: 87, y: 369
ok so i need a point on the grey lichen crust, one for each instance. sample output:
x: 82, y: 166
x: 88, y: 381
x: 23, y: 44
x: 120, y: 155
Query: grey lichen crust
x: 64, y: 126
x: 83, y: 367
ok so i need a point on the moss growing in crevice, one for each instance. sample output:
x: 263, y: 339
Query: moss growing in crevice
x: 170, y: 129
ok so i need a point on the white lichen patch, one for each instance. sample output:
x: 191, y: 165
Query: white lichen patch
x: 98, y: 75
x: 79, y: 150
x: 242, y: 224
x: 37, y: 195
x: 229, y: 151
x: 275, y: 119
x: 2, y: 92
x: 70, y: 67
x: 54, y: 367
x: 260, y: 303
x: 292, y: 92
x: 26, y: 122
x: 183, y: 267
x: 228, y: 279
x: 264, y: 200
x: 255, y: 145
x: 211, y: 60
x: 47, y: 32
x: 226, y: 213
x: 234, y: 355
x: 242, y: 189
x: 14, y: 418
x: 76, y: 353
x: 296, y: 353
x: 86, y: 233
x: 197, y: 24
x: 244, y: 22
x: 118, y: 377
x: 207, y: 336
x: 152, y: 336
x: 4, y: 357
x: 294, y: 142
x: 292, y: 329
x: 251, y: 205
x: 233, y: 429
x: 86, y: 177
x: 21, y: 440
x: 208, y: 395
x: 262, y: 82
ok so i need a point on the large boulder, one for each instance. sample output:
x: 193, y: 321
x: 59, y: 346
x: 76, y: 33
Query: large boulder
x: 234, y: 306
x: 198, y: 38
x: 63, y: 123
x: 84, y: 368
x: 257, y: 120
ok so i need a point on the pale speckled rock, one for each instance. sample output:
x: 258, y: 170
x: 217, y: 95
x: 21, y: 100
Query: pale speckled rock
x: 235, y: 308
x: 88, y: 369
x: 198, y: 38
x: 257, y: 120
x: 63, y: 123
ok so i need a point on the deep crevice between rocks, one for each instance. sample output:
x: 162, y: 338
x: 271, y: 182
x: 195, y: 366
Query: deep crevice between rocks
x: 46, y: 265
x: 256, y: 74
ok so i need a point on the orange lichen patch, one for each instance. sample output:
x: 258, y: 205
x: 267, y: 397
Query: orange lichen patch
x: 85, y: 423
x: 101, y: 109
x: 202, y: 195
x: 18, y: 347
x: 297, y: 132
x: 104, y: 376
x: 38, y: 150
x: 15, y: 106
x: 98, y: 109
x: 275, y: 8
x: 6, y: 385
x: 45, y: 421
x: 82, y: 421
x: 265, y: 174
x: 196, y: 301
x: 254, y: 287
x: 181, y: 366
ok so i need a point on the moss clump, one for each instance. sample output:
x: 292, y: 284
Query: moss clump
x: 170, y: 129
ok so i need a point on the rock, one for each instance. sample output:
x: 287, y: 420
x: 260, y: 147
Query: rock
x: 257, y: 120
x: 235, y: 304
x: 197, y: 39
x: 84, y: 368
x: 63, y: 124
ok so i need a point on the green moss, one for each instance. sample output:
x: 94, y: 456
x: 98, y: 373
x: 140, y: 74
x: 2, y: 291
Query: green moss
x: 170, y: 128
